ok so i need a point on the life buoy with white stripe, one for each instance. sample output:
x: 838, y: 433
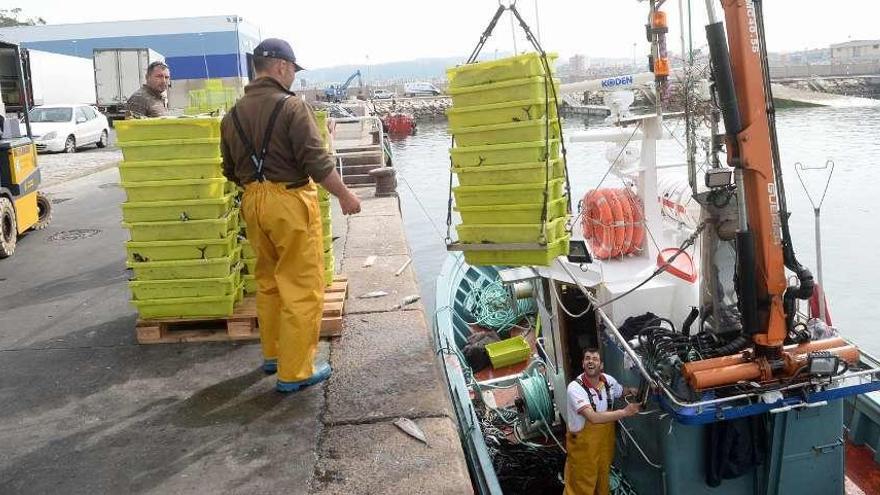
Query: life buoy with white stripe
x: 612, y: 222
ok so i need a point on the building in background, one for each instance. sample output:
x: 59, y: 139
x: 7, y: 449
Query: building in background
x: 856, y: 52
x: 195, y: 48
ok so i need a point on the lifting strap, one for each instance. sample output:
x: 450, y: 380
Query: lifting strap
x: 257, y: 160
x: 608, y: 402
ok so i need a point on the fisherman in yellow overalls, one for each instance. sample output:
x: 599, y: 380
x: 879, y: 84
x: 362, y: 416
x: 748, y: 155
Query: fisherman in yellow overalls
x: 590, y: 437
x: 271, y: 145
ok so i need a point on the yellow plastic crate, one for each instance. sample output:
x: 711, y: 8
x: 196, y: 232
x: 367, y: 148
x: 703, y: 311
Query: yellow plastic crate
x: 250, y: 266
x: 187, y: 307
x: 167, y: 128
x: 514, y: 132
x: 529, y: 88
x: 510, y: 233
x: 503, y: 154
x: 195, y: 287
x: 184, y: 269
x: 328, y: 276
x: 181, y: 249
x: 327, y: 228
x: 329, y: 260
x: 518, y: 173
x: 507, y: 194
x: 540, y: 257
x: 210, y: 168
x: 508, y: 351
x: 323, y: 195
x: 214, y: 84
x: 503, y: 69
x: 218, y: 228
x: 511, y: 214
x: 250, y: 284
x: 247, y: 251
x: 326, y: 217
x: 171, y: 149
x: 167, y: 190
x: 328, y: 242
x: 189, y: 209
x: 500, y: 113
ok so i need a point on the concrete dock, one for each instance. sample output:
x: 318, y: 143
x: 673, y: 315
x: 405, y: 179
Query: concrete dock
x: 85, y: 409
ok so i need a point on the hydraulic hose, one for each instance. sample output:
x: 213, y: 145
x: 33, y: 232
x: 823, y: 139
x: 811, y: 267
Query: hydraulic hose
x: 691, y: 317
x: 739, y: 343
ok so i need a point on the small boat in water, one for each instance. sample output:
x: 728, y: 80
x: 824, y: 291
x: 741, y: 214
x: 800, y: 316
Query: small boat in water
x: 741, y: 391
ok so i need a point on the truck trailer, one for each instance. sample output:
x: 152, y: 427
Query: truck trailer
x: 119, y: 72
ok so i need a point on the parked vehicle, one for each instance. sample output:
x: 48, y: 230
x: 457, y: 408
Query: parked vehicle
x: 383, y: 94
x: 338, y: 93
x: 420, y: 89
x: 23, y: 206
x: 119, y: 72
x: 49, y: 78
x: 68, y: 127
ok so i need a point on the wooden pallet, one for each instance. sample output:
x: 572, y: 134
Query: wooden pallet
x: 241, y: 325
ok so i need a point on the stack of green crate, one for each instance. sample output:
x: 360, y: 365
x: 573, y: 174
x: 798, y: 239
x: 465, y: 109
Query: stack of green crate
x: 249, y: 259
x: 507, y: 145
x: 324, y: 202
x: 215, y: 97
x: 181, y: 218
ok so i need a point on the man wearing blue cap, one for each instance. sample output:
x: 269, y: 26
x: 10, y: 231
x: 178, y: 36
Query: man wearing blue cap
x: 272, y: 147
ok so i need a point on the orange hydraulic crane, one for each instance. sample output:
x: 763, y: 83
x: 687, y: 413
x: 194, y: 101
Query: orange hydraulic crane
x: 764, y: 249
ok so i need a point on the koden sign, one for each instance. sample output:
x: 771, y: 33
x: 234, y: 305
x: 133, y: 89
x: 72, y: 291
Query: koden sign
x: 614, y: 82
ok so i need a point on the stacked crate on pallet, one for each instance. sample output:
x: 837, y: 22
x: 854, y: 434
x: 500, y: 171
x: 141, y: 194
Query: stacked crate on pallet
x: 182, y: 219
x: 506, y: 129
x: 324, y: 202
x: 214, y: 98
x: 249, y: 258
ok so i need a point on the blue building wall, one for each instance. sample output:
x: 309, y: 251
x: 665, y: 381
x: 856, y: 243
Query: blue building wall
x: 187, y: 54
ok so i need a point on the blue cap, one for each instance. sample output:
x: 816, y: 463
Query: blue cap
x: 276, y: 48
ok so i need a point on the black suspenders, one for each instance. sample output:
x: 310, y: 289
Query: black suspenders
x: 608, y: 402
x: 257, y: 160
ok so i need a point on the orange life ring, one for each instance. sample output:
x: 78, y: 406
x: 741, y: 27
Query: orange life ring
x: 599, y: 218
x: 612, y: 222
x: 626, y: 208
x: 586, y: 225
x: 618, y: 227
x: 638, y: 236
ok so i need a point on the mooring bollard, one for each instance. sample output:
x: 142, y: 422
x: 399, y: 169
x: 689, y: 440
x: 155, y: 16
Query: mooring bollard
x: 386, y: 181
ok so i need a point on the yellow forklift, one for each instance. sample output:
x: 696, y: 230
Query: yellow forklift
x: 22, y: 207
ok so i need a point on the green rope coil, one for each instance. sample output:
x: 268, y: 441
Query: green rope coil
x: 536, y: 396
x: 492, y: 308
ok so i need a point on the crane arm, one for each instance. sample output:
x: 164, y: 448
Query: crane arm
x: 761, y: 270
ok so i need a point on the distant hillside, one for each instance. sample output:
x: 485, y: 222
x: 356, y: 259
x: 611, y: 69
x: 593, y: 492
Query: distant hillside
x: 423, y: 69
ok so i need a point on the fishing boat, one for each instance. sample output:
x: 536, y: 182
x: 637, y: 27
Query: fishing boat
x: 686, y: 291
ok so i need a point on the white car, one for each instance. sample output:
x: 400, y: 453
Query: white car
x: 420, y: 89
x: 68, y: 127
x: 382, y: 94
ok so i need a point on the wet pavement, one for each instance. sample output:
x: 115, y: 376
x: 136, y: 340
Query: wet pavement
x: 85, y: 409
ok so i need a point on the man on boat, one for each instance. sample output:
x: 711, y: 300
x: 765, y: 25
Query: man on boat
x: 272, y: 147
x: 591, y: 418
x: 150, y: 100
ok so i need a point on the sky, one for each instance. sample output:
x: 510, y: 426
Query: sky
x: 343, y: 32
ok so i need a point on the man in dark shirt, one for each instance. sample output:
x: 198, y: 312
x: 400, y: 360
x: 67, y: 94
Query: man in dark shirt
x: 149, y: 100
x: 272, y: 147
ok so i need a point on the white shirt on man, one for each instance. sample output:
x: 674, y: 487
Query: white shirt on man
x: 578, y: 399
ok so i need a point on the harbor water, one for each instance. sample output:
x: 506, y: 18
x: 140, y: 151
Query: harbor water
x: 850, y: 225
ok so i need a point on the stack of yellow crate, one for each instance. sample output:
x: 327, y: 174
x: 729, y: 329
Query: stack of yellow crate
x: 249, y: 258
x: 507, y: 146
x: 181, y: 217
x: 215, y: 97
x: 324, y: 202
